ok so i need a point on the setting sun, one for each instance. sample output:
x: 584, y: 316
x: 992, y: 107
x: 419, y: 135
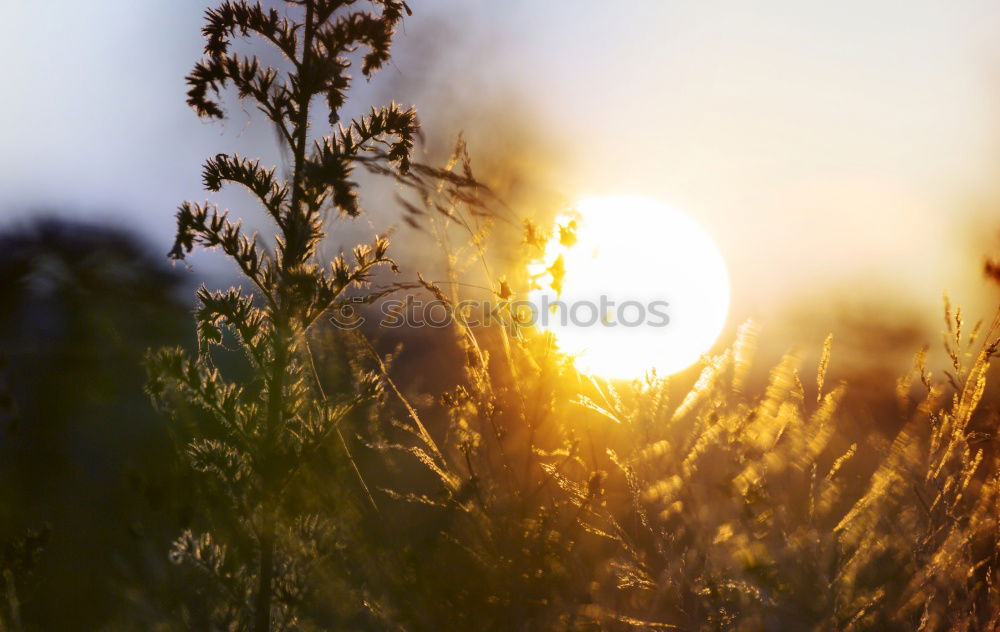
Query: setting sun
x: 495, y: 316
x: 628, y: 285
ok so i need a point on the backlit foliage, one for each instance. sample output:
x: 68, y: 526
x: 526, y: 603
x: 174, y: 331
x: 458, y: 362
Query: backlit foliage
x: 524, y: 495
x: 258, y: 434
x: 583, y: 505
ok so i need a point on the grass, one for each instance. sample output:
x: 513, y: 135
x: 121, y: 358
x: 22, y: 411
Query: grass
x: 522, y: 495
x: 555, y: 501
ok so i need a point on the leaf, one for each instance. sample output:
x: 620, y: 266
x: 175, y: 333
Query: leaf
x: 261, y: 182
x: 232, y: 17
x: 824, y: 362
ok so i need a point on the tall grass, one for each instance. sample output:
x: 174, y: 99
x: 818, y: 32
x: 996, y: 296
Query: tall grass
x: 524, y: 495
x: 556, y: 501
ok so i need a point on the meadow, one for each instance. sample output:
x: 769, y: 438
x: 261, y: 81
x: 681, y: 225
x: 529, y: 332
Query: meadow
x: 309, y: 474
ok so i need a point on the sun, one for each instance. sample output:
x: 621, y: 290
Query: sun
x: 628, y: 285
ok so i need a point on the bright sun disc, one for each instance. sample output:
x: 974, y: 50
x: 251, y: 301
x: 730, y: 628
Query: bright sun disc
x: 628, y: 285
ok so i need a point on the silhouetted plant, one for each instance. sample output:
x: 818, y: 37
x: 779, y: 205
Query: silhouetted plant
x: 259, y: 433
x: 583, y: 505
x: 535, y: 498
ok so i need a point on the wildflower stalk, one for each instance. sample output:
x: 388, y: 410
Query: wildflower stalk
x: 271, y: 424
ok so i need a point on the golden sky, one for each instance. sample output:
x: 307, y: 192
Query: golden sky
x: 849, y: 144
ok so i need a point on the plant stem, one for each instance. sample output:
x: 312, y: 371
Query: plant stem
x: 293, y: 251
x: 283, y: 332
x: 262, y: 607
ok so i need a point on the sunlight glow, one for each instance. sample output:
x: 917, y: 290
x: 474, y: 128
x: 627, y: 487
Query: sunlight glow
x: 630, y: 285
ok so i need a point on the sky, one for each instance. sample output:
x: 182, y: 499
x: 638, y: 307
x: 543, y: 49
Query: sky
x: 842, y: 149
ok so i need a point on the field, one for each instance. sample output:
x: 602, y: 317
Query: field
x: 387, y: 437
